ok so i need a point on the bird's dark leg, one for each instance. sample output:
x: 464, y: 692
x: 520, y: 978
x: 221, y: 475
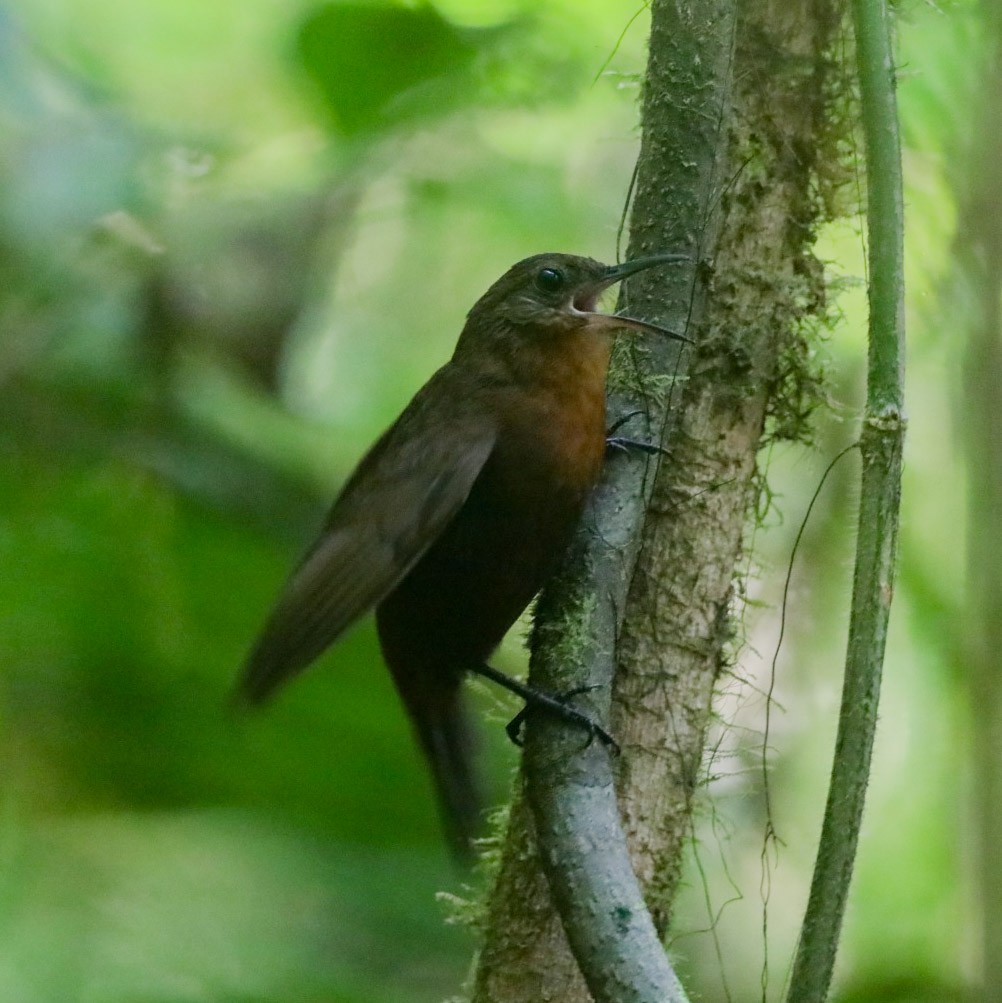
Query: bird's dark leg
x: 625, y: 444
x: 552, y: 704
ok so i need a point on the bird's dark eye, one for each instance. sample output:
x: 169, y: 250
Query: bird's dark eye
x: 550, y: 280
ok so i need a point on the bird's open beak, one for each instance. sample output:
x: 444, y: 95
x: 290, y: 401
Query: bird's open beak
x: 585, y: 300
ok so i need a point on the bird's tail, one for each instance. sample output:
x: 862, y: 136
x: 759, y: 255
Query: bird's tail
x: 443, y: 731
x: 447, y: 747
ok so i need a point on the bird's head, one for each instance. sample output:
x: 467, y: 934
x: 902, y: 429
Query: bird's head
x: 557, y: 293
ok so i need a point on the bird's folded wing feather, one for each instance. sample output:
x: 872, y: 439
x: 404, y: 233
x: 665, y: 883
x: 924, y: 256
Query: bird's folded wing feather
x: 404, y: 493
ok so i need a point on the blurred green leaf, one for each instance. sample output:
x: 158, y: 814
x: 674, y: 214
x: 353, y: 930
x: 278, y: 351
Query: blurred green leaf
x: 378, y: 65
x: 194, y: 906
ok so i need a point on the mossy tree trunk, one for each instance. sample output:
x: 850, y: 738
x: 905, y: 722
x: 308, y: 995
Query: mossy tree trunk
x: 739, y: 163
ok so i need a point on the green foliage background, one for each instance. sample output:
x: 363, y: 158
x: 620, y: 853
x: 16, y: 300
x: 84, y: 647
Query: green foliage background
x: 234, y: 239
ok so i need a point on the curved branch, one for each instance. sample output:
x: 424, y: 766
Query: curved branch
x: 582, y: 846
x: 570, y: 788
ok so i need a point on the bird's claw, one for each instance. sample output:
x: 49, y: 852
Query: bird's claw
x: 620, y: 422
x: 514, y: 727
x: 625, y: 445
x: 559, y: 705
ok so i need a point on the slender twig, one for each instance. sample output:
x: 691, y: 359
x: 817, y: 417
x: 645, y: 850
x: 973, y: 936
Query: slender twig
x: 881, y: 444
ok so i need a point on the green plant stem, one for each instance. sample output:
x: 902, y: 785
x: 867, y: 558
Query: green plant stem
x: 881, y: 444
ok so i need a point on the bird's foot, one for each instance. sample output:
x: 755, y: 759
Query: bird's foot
x: 625, y: 445
x: 560, y: 706
x: 552, y: 704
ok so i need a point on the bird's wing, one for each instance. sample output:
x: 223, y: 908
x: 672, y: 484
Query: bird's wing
x: 403, y: 494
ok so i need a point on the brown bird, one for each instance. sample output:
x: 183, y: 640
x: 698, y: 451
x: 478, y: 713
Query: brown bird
x: 460, y: 512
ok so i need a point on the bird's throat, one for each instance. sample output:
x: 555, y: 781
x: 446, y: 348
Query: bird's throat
x: 573, y: 363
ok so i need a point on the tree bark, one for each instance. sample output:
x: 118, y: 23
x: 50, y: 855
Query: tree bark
x: 737, y: 164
